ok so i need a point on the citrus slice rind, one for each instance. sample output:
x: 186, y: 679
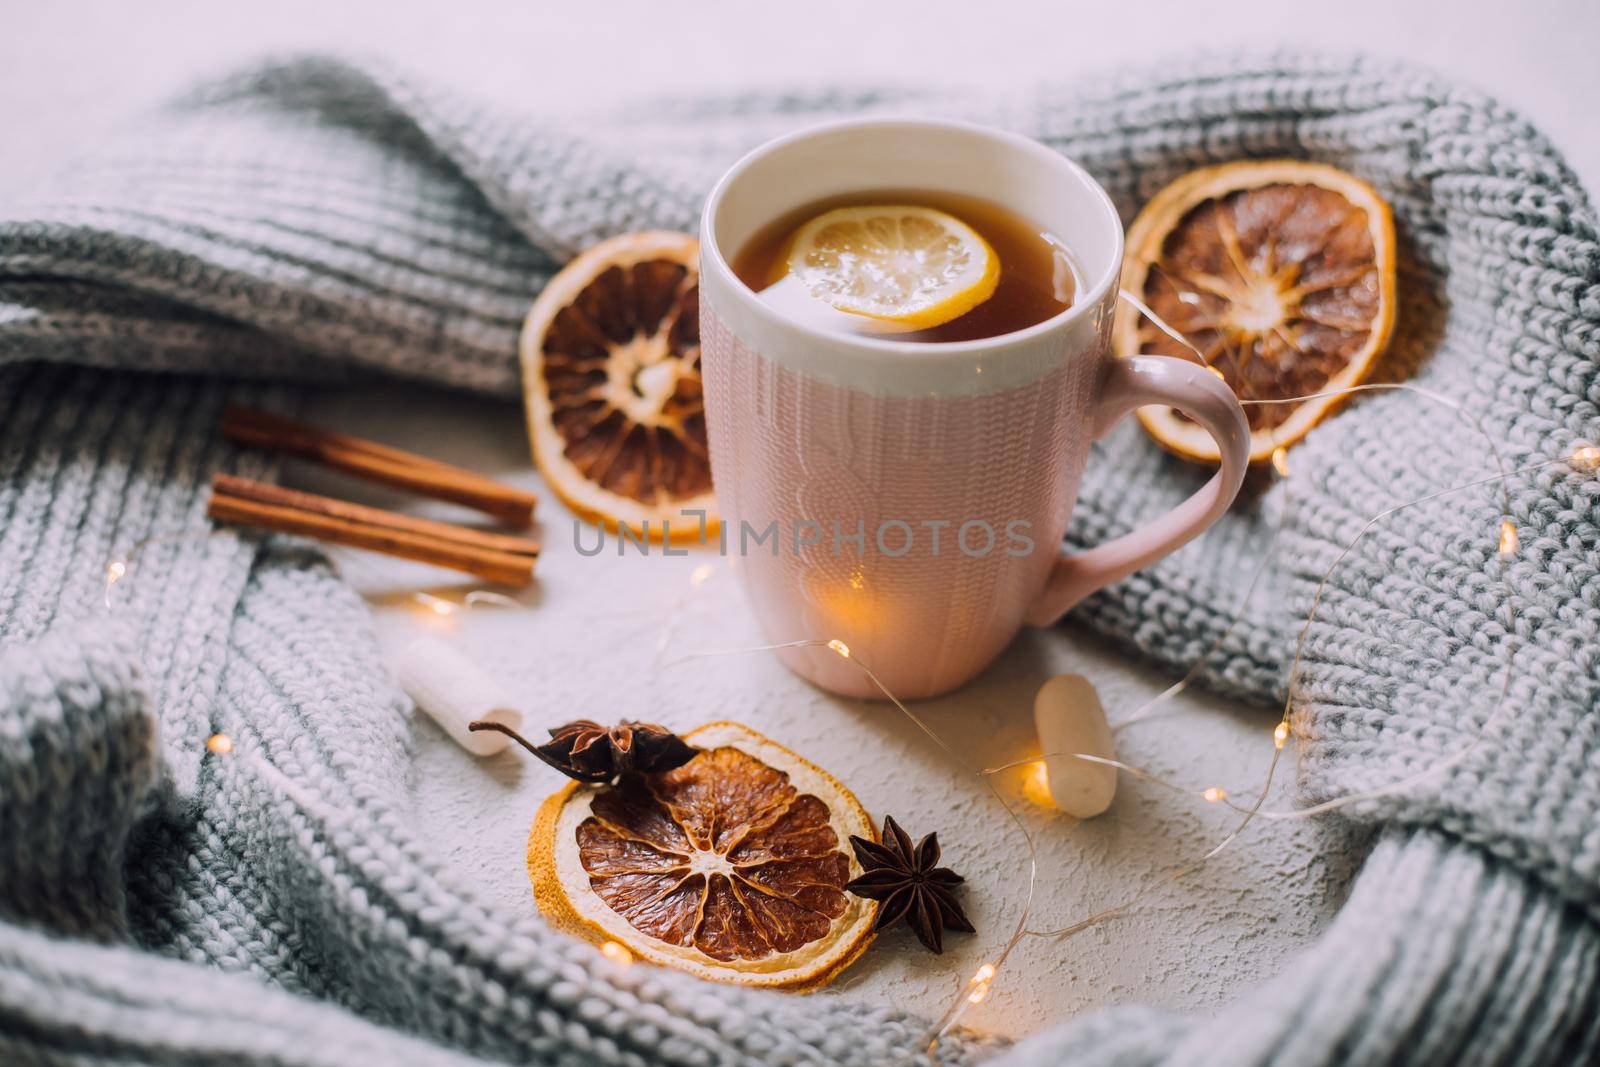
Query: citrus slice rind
x: 731, y: 867
x: 611, y: 384
x: 1281, y: 273
x: 916, y: 267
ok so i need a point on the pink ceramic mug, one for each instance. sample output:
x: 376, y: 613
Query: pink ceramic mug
x: 909, y: 499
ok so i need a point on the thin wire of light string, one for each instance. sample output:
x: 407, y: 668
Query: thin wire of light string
x: 1501, y: 703
x: 1503, y: 476
x: 1328, y: 394
x: 474, y: 598
x: 978, y: 989
x: 975, y: 991
x: 952, y: 1016
x: 1280, y: 734
x: 1338, y: 802
x: 1144, y: 710
x: 1476, y: 422
x: 1255, y: 808
x: 967, y: 996
x: 120, y: 565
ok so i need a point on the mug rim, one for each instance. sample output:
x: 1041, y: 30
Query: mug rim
x: 924, y: 351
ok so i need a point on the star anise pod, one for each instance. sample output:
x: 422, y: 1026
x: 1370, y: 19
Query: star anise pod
x: 910, y: 884
x: 589, y: 752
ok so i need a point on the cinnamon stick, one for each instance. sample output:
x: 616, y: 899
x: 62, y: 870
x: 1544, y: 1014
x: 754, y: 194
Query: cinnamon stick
x: 267, y: 493
x: 379, y: 463
x: 246, y: 503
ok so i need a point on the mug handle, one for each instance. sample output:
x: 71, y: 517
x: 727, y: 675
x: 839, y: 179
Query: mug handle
x: 1133, y: 382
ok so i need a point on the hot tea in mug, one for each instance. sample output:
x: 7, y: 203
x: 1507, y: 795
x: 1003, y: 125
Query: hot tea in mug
x: 905, y: 344
x: 899, y: 244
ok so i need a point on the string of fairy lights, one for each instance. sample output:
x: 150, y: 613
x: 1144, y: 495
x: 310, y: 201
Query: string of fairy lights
x: 1584, y: 459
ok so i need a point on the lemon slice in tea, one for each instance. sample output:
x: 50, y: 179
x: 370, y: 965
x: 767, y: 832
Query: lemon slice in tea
x: 915, y: 267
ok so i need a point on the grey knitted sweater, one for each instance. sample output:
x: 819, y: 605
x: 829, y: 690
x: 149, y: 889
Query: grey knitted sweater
x: 317, y: 221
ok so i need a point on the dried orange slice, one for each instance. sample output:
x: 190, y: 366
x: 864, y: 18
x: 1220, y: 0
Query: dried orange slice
x: 1280, y: 272
x: 731, y: 867
x: 611, y: 379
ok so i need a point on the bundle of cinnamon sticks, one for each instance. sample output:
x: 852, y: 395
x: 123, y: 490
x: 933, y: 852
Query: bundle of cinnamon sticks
x: 502, y: 558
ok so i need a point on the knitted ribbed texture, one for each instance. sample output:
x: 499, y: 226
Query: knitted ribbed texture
x: 315, y: 220
x: 85, y: 745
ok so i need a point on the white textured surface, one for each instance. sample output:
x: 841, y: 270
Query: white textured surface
x: 589, y: 643
x: 605, y: 637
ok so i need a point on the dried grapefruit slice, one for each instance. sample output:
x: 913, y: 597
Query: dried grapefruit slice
x: 611, y: 379
x: 731, y: 867
x: 1280, y: 272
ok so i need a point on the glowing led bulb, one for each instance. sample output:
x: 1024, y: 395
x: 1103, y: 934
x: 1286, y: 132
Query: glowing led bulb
x: 616, y: 953
x: 701, y: 574
x: 1280, y: 734
x: 1508, y: 538
x: 116, y: 570
x: 1585, y: 458
x: 221, y: 744
x: 437, y: 605
x: 1213, y: 794
x: 840, y: 647
x: 1036, y: 785
x: 1280, y: 461
x: 978, y: 988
